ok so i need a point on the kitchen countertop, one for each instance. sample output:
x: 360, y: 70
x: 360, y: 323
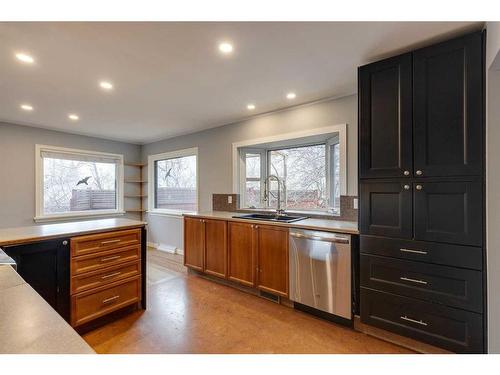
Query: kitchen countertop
x: 13, y: 236
x: 28, y: 324
x: 338, y: 226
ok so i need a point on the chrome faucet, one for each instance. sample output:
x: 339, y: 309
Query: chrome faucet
x: 267, y: 192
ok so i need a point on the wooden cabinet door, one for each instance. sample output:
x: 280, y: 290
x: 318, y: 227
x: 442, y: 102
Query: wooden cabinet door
x: 194, y: 243
x: 386, y: 208
x: 449, y: 212
x: 241, y: 253
x: 45, y: 267
x: 216, y: 247
x: 385, y: 118
x: 272, y: 259
x: 448, y: 108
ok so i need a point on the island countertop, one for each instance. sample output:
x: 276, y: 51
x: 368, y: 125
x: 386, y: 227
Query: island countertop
x: 20, y: 235
x: 338, y: 226
x: 30, y: 325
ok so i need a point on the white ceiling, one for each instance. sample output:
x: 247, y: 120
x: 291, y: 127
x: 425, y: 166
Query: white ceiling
x: 170, y: 78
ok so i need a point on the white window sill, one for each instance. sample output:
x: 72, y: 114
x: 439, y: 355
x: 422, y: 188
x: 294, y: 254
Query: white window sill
x: 295, y: 212
x: 168, y: 213
x: 78, y: 215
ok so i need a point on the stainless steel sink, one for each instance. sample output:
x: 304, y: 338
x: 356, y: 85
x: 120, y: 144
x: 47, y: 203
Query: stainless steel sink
x: 271, y: 217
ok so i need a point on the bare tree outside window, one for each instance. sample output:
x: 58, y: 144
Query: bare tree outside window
x: 73, y: 185
x: 175, y: 183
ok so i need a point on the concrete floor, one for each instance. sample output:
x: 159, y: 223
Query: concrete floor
x: 189, y: 314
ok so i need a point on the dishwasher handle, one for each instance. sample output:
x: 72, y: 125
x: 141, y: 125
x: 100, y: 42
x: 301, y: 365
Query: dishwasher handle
x: 330, y: 238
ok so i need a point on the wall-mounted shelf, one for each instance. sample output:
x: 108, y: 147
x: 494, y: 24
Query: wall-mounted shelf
x: 141, y: 181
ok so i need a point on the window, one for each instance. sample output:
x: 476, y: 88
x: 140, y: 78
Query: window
x: 77, y: 183
x: 175, y: 181
x: 311, y: 168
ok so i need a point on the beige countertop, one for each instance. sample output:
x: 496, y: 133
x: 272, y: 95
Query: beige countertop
x: 30, y: 325
x: 13, y: 236
x: 338, y: 226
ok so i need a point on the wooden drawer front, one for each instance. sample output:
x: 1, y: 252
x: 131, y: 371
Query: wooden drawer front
x: 92, y: 262
x: 451, y: 286
x: 104, y: 241
x: 431, y: 252
x: 105, y: 276
x: 93, y: 304
x: 452, y: 329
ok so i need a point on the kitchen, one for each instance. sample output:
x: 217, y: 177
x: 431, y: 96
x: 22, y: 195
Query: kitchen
x: 288, y: 214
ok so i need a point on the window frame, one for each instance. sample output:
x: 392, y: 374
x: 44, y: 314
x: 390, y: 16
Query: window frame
x: 152, y: 182
x: 253, y: 145
x: 40, y: 216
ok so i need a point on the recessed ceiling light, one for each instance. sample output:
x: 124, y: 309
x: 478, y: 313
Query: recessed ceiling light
x: 251, y: 107
x: 25, y: 58
x: 106, y: 85
x: 26, y: 107
x: 226, y: 48
x: 291, y: 95
x: 73, y: 117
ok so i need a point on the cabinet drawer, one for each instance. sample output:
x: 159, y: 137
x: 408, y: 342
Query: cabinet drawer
x: 431, y: 252
x: 93, y: 304
x: 451, y: 286
x: 105, y: 276
x: 92, y: 262
x: 452, y: 329
x: 104, y: 241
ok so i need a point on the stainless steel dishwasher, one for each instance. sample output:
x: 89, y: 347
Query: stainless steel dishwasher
x: 320, y: 273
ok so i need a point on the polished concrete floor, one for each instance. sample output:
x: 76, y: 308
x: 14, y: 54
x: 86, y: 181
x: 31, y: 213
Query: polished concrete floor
x: 189, y: 314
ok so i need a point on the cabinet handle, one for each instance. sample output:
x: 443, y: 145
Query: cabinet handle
x: 110, y: 258
x: 103, y: 243
x: 419, y: 187
x: 406, y: 173
x: 422, y: 252
x: 419, y: 172
x: 416, y: 281
x: 421, y: 322
x: 406, y: 187
x: 110, y: 299
x: 110, y: 275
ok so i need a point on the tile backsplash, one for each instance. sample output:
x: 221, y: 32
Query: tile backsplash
x: 347, y: 210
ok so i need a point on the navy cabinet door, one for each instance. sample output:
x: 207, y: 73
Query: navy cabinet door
x: 449, y: 212
x: 385, y: 118
x: 45, y: 267
x: 448, y: 108
x: 386, y: 208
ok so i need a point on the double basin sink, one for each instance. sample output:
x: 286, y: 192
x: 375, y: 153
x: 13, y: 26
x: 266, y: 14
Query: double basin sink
x: 271, y: 217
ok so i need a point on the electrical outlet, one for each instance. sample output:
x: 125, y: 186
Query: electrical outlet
x: 355, y: 203
x: 229, y: 199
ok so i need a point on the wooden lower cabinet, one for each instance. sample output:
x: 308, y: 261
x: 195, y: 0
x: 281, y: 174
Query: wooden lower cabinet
x: 241, y: 257
x: 194, y: 243
x: 250, y: 254
x: 272, y: 259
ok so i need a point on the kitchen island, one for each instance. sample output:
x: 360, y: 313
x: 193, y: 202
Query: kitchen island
x: 29, y: 325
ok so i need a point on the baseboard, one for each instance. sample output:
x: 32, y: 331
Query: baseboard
x: 152, y: 244
x: 157, y: 246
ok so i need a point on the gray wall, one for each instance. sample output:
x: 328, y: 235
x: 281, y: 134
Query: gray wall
x: 215, y: 153
x: 493, y: 184
x: 17, y: 167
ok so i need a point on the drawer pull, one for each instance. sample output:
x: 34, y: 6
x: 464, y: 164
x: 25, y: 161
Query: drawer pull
x: 110, y: 258
x: 416, y: 281
x: 421, y: 322
x: 110, y: 299
x: 110, y: 275
x: 104, y: 243
x: 413, y: 251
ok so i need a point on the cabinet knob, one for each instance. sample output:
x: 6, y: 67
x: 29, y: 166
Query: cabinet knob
x: 406, y: 173
x: 419, y: 172
x: 418, y: 187
x: 406, y: 187
x: 256, y: 227
x: 65, y: 242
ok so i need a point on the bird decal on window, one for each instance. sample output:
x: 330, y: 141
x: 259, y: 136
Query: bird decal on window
x: 84, y: 181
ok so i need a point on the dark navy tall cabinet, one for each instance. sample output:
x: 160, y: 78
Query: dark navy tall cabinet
x: 421, y: 190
